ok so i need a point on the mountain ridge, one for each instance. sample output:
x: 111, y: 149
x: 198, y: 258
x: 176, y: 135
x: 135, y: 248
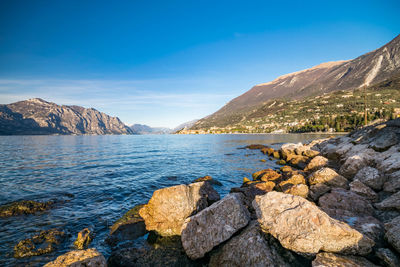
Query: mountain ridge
x: 39, y: 117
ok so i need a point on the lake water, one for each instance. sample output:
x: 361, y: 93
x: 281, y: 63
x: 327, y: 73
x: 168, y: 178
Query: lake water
x: 99, y: 178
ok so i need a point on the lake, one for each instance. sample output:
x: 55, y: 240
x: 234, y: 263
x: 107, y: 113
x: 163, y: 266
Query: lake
x: 99, y: 178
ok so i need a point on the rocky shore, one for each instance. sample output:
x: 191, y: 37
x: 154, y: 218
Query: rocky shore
x: 334, y: 202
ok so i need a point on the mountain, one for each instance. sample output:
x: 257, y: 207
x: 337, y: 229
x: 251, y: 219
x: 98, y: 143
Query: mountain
x: 145, y: 129
x: 39, y: 117
x: 184, y: 126
x: 368, y: 69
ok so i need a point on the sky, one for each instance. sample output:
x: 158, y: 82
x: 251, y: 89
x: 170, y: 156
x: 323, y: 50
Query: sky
x: 162, y: 63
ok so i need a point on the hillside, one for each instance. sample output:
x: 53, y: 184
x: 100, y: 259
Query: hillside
x: 371, y: 68
x: 145, y: 129
x: 39, y: 117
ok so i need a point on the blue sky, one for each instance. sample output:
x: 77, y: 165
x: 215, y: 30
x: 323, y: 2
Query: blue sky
x: 162, y: 63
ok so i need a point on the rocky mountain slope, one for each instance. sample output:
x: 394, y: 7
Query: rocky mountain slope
x: 37, y: 116
x: 145, y: 129
x: 368, y: 69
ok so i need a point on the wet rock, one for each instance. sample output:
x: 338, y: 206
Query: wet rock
x: 255, y: 146
x: 24, y: 207
x: 263, y: 160
x: 387, y: 257
x: 393, y: 183
x: 276, y: 154
x: 390, y: 203
x: 79, y: 258
x: 343, y: 202
x: 329, y: 177
x: 208, y: 179
x: 84, y: 238
x: 302, y: 227
x: 370, y: 177
x: 42, y: 243
x: 129, y: 227
x: 169, y: 207
x: 250, y: 248
x: 334, y: 260
x: 361, y: 189
x: 384, y: 141
x: 281, y: 162
x: 213, y: 225
x: 352, y: 165
x: 317, y: 190
x: 267, y: 151
x: 392, y: 234
x: 316, y: 163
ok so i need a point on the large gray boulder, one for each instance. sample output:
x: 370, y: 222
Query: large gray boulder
x: 79, y: 258
x: 214, y: 225
x: 169, y: 207
x: 370, y: 177
x: 352, y: 165
x: 392, y: 234
x: 251, y: 248
x: 302, y: 227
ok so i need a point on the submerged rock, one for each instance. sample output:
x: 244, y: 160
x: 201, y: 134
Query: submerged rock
x: 169, y: 207
x: 24, y: 207
x: 251, y: 248
x: 335, y: 260
x: 128, y: 227
x: 84, y: 238
x: 213, y: 225
x: 301, y: 226
x: 255, y: 146
x: 208, y: 179
x: 79, y: 258
x: 42, y: 243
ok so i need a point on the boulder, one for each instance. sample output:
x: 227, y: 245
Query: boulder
x: 296, y: 190
x: 317, y: 190
x: 208, y: 179
x: 343, y: 202
x: 213, y: 225
x: 79, y: 258
x: 42, y: 243
x: 387, y: 257
x: 393, y: 183
x: 316, y: 163
x: 299, y: 162
x: 384, y: 141
x: 267, y: 151
x: 391, y: 163
x: 390, y: 203
x: 24, y: 207
x: 370, y: 177
x: 129, y: 227
x: 310, y: 153
x: 255, y: 146
x: 334, y: 260
x: 84, y: 238
x: 392, y: 234
x: 250, y: 248
x: 352, y: 165
x: 169, y: 207
x: 361, y: 189
x: 329, y: 177
x: 302, y: 227
x: 267, y: 175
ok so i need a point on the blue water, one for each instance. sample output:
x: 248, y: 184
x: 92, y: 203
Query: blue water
x: 108, y: 175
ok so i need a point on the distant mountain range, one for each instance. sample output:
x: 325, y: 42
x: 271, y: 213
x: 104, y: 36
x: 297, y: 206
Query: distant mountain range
x: 371, y: 68
x: 145, y: 129
x: 39, y: 117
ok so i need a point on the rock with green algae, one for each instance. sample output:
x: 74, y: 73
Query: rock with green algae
x: 42, y: 243
x: 84, y: 238
x: 24, y: 207
x: 129, y: 227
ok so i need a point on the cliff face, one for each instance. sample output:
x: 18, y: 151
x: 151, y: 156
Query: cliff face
x: 36, y: 116
x: 368, y: 69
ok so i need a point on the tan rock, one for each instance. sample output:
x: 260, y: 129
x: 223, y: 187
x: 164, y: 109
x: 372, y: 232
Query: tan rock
x: 250, y: 248
x: 214, y: 225
x: 335, y: 260
x: 298, y: 190
x: 169, y: 207
x: 302, y: 227
x: 79, y: 258
x: 316, y: 163
x: 84, y: 238
x: 310, y: 153
x: 267, y: 175
x: 329, y: 177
